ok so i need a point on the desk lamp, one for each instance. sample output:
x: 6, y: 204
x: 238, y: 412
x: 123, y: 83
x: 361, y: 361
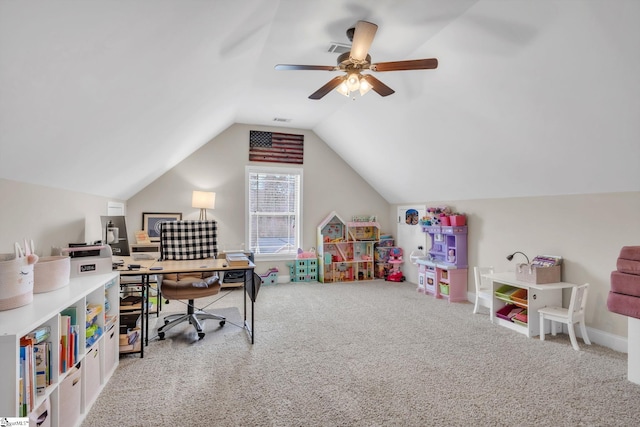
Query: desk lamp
x: 203, y: 200
x: 510, y: 257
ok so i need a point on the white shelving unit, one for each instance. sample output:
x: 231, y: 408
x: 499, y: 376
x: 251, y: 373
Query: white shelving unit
x: 95, y: 364
x: 538, y: 296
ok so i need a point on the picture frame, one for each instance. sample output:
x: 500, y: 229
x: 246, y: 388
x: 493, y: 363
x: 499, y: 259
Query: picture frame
x: 151, y: 222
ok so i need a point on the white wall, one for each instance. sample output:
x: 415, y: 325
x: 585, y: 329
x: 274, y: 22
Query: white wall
x: 586, y: 230
x: 329, y: 184
x: 48, y: 216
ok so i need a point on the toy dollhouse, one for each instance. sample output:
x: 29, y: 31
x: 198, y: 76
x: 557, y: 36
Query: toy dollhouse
x: 345, y: 249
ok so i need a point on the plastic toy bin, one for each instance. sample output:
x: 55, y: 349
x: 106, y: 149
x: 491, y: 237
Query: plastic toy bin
x: 521, y: 318
x: 444, y: 289
x: 508, y: 312
x: 519, y: 297
x: 504, y: 292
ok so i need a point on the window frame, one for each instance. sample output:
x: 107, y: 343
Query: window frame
x: 272, y: 170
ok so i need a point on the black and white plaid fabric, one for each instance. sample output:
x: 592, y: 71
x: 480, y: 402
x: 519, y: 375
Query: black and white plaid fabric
x: 182, y: 240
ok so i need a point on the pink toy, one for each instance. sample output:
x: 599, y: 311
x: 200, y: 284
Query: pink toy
x: 395, y: 259
x: 270, y: 277
x: 306, y: 254
x: 395, y: 255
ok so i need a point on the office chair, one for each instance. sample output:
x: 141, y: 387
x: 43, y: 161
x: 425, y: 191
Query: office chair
x: 574, y: 314
x: 188, y: 240
x: 484, y: 291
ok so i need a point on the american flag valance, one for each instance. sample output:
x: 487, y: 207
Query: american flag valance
x: 275, y: 147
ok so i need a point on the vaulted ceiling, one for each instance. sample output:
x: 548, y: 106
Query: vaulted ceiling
x: 530, y: 97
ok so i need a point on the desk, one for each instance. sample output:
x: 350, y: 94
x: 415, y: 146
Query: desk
x: 538, y: 296
x: 144, y: 274
x: 152, y: 267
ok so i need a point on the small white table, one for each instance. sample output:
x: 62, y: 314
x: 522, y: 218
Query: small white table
x: 538, y: 296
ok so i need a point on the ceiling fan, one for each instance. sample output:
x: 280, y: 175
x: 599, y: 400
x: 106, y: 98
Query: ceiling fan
x: 357, y: 60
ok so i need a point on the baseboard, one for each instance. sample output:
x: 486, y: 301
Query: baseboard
x: 605, y: 339
x: 596, y: 336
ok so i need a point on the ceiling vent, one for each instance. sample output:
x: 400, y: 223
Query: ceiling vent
x: 281, y: 120
x: 336, y: 47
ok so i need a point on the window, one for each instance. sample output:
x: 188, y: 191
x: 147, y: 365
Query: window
x: 274, y: 212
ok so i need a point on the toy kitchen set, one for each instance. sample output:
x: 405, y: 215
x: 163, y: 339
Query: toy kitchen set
x: 443, y: 272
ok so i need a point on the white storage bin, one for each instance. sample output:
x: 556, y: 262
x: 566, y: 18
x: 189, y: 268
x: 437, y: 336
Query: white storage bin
x: 70, y: 397
x: 92, y: 379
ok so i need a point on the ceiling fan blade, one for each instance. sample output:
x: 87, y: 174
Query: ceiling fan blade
x: 414, y: 64
x: 306, y: 67
x: 381, y: 88
x: 332, y: 84
x: 362, y: 39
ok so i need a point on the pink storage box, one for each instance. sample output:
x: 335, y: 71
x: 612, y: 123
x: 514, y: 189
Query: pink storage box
x: 458, y: 220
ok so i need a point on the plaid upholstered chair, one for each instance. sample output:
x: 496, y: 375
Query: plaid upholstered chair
x: 188, y: 240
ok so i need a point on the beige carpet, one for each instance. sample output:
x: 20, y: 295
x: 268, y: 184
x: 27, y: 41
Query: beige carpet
x: 364, y: 354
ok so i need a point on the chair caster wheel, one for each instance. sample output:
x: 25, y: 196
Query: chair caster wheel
x: 161, y: 335
x: 166, y: 322
x: 222, y: 322
x: 200, y: 335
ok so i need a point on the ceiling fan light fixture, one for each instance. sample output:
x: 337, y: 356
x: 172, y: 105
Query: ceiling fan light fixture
x: 343, y: 89
x: 364, y: 86
x: 353, y: 82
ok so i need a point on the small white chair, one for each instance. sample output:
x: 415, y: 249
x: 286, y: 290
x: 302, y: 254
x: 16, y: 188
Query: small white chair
x: 484, y: 291
x: 574, y: 314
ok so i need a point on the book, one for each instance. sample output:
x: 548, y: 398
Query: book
x: 237, y: 260
x: 65, y: 327
x: 546, y: 261
x: 27, y: 372
x: 41, y: 355
x: 40, y: 334
x: 130, y: 300
x: 142, y: 237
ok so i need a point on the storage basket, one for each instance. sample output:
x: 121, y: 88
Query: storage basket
x: 51, y: 273
x: 508, y: 312
x: 444, y: 289
x: 538, y: 275
x: 519, y: 298
x: 16, y: 279
x: 521, y: 318
x: 504, y: 292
